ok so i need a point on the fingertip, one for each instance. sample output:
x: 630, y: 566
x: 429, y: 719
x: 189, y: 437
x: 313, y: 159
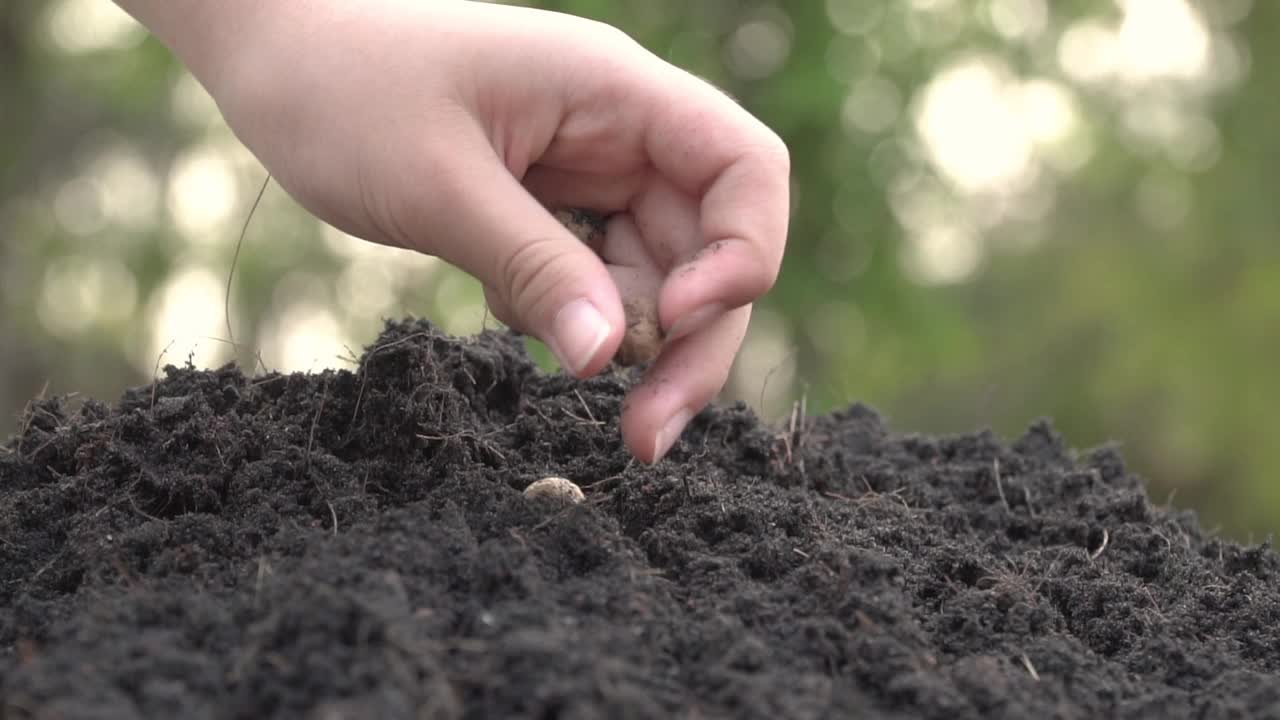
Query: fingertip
x: 641, y: 423
x: 670, y: 433
x: 684, y: 378
x: 578, y: 334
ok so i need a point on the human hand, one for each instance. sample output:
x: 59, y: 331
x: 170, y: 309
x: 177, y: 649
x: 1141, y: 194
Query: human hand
x: 451, y: 127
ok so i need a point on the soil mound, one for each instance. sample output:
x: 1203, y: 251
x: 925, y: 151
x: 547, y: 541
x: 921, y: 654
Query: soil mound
x: 356, y: 545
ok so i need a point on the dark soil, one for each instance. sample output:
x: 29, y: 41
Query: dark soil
x: 355, y: 545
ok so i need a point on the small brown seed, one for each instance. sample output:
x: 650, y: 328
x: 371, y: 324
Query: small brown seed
x: 643, y: 338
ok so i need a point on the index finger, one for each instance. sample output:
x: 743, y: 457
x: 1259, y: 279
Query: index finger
x: 710, y: 147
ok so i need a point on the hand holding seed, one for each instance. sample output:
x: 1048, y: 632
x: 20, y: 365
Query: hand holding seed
x: 449, y: 128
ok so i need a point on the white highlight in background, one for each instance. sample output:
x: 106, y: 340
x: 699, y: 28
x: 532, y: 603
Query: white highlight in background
x: 130, y: 188
x: 84, y: 26
x: 971, y: 129
x: 305, y: 337
x: 1162, y: 39
x: 186, y: 321
x: 203, y: 193
x: 1155, y: 40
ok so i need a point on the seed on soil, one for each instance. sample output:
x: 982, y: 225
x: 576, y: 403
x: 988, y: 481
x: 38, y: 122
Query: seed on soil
x: 557, y: 488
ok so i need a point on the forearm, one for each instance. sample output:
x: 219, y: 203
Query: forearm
x: 199, y: 32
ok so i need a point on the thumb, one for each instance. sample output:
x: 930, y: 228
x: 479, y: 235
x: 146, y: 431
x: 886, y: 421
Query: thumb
x: 538, y: 277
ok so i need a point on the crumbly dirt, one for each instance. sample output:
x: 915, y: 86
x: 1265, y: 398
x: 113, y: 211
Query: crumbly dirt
x: 356, y: 545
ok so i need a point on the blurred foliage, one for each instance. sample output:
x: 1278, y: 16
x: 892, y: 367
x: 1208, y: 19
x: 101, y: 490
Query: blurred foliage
x: 1004, y: 209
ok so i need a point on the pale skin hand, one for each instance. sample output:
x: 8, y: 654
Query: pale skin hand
x: 449, y: 127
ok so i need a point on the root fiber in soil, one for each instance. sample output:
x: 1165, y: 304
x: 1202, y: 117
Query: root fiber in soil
x: 355, y: 544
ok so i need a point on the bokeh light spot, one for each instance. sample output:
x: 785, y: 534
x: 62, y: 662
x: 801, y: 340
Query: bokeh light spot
x: 970, y: 128
x: 203, y: 193
x: 1048, y: 110
x: 759, y: 47
x: 855, y: 17
x: 304, y: 337
x: 942, y: 254
x: 872, y: 105
x: 1087, y: 51
x: 130, y: 187
x: 186, y: 320
x: 85, y: 26
x: 1162, y: 39
x: 1018, y: 19
x: 78, y: 206
x: 366, y: 289
x: 80, y: 292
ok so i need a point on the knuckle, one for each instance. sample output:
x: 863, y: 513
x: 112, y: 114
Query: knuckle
x: 765, y: 277
x: 499, y: 308
x: 527, y: 275
x: 751, y: 272
x: 758, y: 274
x: 775, y: 154
x: 611, y: 36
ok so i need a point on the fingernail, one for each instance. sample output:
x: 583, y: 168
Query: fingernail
x: 695, y: 320
x: 578, y: 332
x: 669, y: 433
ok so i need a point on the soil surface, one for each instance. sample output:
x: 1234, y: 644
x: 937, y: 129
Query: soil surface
x: 356, y: 545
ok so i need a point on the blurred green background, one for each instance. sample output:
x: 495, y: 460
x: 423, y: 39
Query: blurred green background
x: 1004, y: 209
